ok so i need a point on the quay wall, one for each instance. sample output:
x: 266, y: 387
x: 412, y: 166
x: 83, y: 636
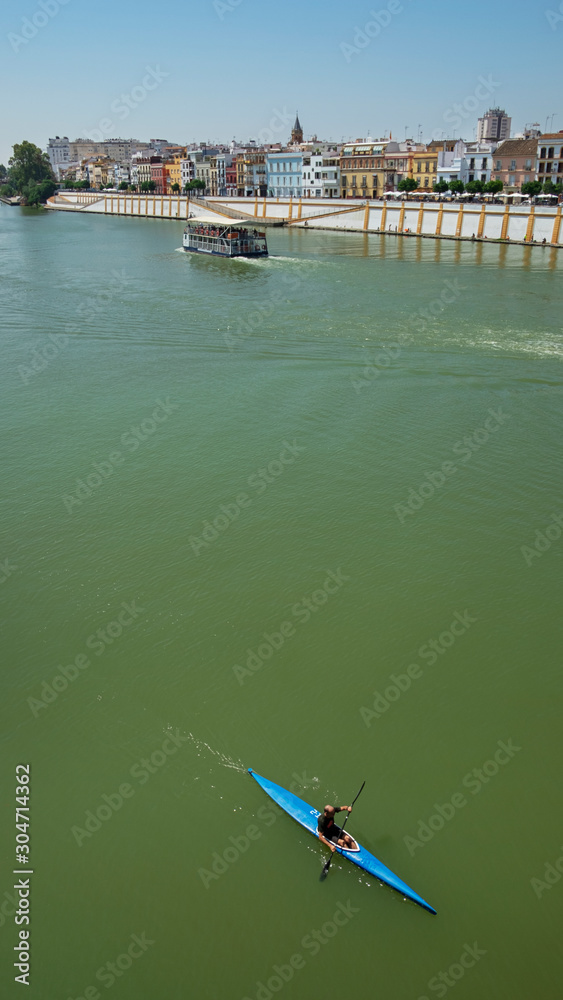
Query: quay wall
x: 514, y: 223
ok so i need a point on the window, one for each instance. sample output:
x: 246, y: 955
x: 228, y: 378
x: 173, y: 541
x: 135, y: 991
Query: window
x: 498, y: 165
x: 528, y: 165
x: 550, y: 153
x: 513, y: 164
x: 484, y: 163
x: 541, y: 168
x: 418, y: 167
x: 542, y: 153
x: 363, y: 181
x: 512, y: 180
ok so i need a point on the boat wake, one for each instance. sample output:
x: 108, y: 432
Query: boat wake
x: 205, y: 750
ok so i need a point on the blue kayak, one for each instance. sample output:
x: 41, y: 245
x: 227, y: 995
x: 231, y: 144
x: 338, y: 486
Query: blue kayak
x: 307, y: 817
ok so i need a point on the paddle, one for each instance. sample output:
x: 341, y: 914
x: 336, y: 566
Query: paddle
x: 324, y: 872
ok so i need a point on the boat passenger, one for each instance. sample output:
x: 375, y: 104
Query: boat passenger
x: 330, y: 834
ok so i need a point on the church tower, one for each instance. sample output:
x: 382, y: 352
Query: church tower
x: 296, y: 132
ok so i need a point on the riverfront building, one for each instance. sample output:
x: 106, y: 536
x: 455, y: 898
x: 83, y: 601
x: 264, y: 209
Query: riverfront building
x: 284, y: 173
x: 362, y: 169
x: 550, y: 157
x: 515, y: 163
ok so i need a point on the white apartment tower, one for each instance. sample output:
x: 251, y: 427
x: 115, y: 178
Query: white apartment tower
x: 494, y: 126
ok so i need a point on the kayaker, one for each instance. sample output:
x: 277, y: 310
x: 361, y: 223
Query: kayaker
x: 328, y: 831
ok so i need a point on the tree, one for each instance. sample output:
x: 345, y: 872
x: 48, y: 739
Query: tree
x: 133, y: 188
x: 531, y: 187
x: 493, y: 187
x: 474, y: 187
x: 3, y: 172
x: 407, y: 184
x: 456, y: 187
x: 29, y: 166
x: 198, y: 184
x: 441, y: 186
x: 151, y: 186
x: 123, y: 186
x: 68, y: 184
x: 83, y: 184
x: 145, y: 186
x: 176, y: 188
x: 6, y: 191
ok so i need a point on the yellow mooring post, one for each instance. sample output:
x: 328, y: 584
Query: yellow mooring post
x: 419, y: 220
x: 105, y: 203
x: 366, y: 217
x: 556, y: 226
x: 290, y: 215
x: 401, y: 218
x: 383, y: 216
x: 264, y: 209
x: 505, y: 221
x: 459, y: 223
x: 299, y: 209
x: 256, y: 206
x: 439, y: 221
x: 530, y: 226
x: 482, y: 220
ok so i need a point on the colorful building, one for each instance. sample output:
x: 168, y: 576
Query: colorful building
x: 362, y: 169
x: 284, y: 172
x: 423, y: 168
x: 515, y: 163
x: 550, y: 157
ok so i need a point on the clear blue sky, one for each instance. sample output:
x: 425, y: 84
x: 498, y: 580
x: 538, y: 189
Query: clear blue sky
x: 231, y: 65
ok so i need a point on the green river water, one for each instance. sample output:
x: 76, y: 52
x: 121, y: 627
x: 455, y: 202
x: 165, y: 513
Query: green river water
x: 243, y: 504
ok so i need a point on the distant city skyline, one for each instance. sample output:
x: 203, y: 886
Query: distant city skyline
x: 229, y: 69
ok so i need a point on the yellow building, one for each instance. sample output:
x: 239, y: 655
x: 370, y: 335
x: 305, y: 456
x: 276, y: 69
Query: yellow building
x: 423, y: 166
x: 101, y: 172
x: 173, y: 172
x: 362, y: 169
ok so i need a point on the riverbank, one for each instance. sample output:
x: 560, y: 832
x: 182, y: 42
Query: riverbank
x: 524, y: 225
